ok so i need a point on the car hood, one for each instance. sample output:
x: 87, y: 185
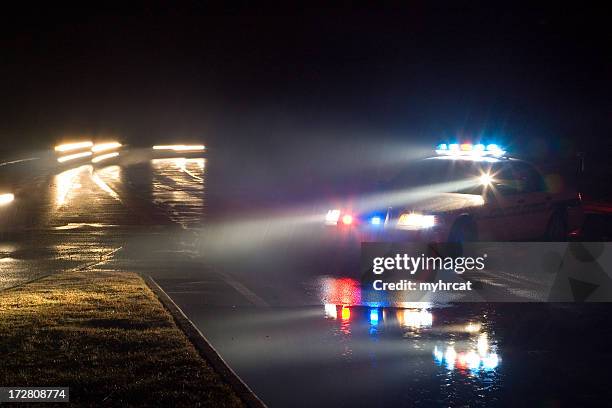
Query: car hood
x: 444, y: 202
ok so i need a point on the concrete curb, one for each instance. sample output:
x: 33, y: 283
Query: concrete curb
x: 204, y: 347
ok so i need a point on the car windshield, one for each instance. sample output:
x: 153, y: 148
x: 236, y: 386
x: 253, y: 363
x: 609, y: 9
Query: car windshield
x: 452, y: 176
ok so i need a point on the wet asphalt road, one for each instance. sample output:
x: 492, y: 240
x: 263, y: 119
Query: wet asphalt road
x: 259, y: 286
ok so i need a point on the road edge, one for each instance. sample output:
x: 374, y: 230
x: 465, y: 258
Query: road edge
x: 204, y: 347
x: 83, y: 267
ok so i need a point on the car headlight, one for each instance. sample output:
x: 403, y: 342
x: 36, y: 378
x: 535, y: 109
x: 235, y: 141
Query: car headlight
x: 6, y: 198
x: 416, y: 221
x: 332, y: 217
x: 486, y: 179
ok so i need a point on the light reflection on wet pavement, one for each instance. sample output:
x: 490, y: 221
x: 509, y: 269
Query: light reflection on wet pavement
x: 178, y: 185
x: 77, y: 216
x: 468, y: 355
x: 300, y: 336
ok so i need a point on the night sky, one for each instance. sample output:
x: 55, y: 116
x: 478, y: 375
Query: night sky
x: 153, y: 71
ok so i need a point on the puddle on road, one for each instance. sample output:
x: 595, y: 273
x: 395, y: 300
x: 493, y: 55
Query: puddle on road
x: 81, y: 213
x: 339, y: 355
x: 67, y: 182
x: 178, y: 186
x: 459, y: 355
x: 7, y: 249
x: 351, y: 351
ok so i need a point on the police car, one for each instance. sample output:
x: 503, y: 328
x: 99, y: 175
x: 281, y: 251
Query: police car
x: 465, y: 192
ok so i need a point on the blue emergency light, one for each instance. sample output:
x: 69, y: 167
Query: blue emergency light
x: 469, y: 149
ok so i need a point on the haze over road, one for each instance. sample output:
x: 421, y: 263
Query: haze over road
x: 278, y: 314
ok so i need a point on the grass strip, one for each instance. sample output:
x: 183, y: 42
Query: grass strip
x: 105, y: 335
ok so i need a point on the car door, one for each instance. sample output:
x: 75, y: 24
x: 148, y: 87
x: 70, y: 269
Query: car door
x: 498, y: 217
x: 534, y: 202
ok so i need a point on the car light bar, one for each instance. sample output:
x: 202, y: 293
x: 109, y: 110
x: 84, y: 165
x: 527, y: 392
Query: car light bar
x: 469, y: 149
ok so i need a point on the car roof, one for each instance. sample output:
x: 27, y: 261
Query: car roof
x: 478, y: 159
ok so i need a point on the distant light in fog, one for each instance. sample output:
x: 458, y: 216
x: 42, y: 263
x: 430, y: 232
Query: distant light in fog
x: 73, y: 146
x: 180, y: 148
x: 101, y: 147
x: 6, y: 198
x: 104, y: 157
x: 73, y: 156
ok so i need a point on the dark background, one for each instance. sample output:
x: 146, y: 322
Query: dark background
x: 311, y: 90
